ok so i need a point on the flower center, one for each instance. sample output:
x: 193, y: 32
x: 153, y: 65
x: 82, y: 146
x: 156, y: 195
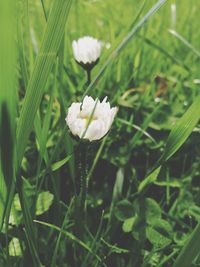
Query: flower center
x: 88, y: 118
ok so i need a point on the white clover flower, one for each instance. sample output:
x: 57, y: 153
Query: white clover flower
x: 87, y: 50
x: 80, y: 124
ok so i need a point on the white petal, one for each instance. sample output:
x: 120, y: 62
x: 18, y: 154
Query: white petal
x: 78, y: 117
x: 86, y: 49
x: 78, y: 127
x: 73, y: 113
x: 95, y: 131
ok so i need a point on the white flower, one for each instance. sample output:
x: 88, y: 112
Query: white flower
x: 91, y: 119
x: 86, y: 50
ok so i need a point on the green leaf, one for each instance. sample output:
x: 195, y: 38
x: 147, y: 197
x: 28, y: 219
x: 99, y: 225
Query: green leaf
x: 115, y: 249
x: 44, y: 201
x: 123, y: 210
x: 145, y: 215
x: 15, y: 247
x: 151, y: 178
x: 159, y: 233
x: 57, y: 165
x: 128, y: 224
x: 153, y: 210
x: 16, y: 203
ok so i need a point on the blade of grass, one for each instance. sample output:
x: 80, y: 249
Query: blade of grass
x: 65, y: 222
x: 69, y: 236
x: 117, y: 192
x: 143, y: 132
x: 8, y: 96
x: 185, y: 42
x: 166, y: 53
x: 145, y: 124
x: 181, y: 131
x: 43, y: 65
x: 56, y: 166
x: 29, y: 227
x: 124, y: 42
x: 95, y: 243
x: 190, y: 251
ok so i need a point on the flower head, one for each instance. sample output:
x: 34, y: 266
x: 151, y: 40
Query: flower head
x: 91, y: 119
x: 87, y: 51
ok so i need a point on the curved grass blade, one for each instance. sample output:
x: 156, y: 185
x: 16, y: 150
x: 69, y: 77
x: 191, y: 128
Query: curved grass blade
x: 138, y: 128
x: 56, y: 166
x: 181, y: 131
x: 70, y: 236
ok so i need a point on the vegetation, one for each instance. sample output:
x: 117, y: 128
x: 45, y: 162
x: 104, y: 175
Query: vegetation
x: 132, y: 198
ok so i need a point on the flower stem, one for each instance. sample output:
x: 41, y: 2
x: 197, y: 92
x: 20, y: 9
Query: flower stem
x: 88, y: 77
x: 84, y: 183
x: 81, y: 185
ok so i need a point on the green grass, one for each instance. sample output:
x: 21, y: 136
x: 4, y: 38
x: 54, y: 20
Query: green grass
x: 142, y: 204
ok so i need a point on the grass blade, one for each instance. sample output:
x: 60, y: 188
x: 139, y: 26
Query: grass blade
x: 168, y: 55
x: 185, y: 42
x: 44, y: 62
x: 29, y: 227
x: 43, y: 65
x: 190, y: 251
x: 124, y: 42
x: 69, y: 236
x: 8, y: 82
x: 181, y: 131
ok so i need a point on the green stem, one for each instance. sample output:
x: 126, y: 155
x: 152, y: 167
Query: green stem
x: 88, y: 77
x: 81, y: 184
x: 84, y: 182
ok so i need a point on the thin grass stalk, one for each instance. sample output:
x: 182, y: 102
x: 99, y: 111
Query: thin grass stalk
x: 65, y: 221
x: 185, y: 42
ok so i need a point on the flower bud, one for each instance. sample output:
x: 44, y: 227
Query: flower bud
x: 87, y: 51
x: 91, y: 119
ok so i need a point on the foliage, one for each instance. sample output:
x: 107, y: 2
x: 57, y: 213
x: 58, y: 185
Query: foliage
x: 142, y: 204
